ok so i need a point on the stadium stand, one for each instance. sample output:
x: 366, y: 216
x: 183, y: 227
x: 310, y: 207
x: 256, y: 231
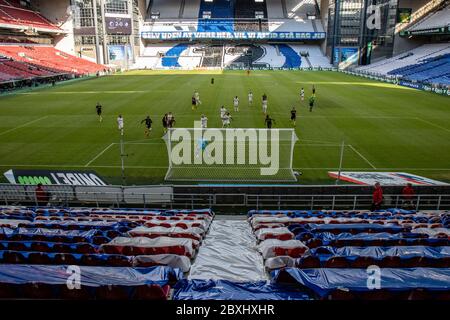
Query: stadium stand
x: 222, y: 16
x: 437, y: 19
x: 143, y: 251
x: 51, y: 58
x: 158, y: 246
x: 168, y: 9
x: 412, y: 57
x: 192, y: 56
x: 16, y: 15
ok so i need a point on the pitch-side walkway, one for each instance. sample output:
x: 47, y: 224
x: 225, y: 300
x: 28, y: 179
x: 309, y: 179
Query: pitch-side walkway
x: 228, y: 252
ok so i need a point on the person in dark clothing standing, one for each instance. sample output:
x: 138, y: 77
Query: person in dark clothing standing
x: 98, y: 107
x: 164, y: 123
x: 148, y: 125
x: 269, y: 122
x: 293, y: 116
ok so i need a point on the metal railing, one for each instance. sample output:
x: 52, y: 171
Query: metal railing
x: 123, y: 197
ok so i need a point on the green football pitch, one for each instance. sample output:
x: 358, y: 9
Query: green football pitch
x: 385, y: 127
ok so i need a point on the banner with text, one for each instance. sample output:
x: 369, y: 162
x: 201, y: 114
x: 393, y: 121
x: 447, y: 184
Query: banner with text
x: 54, y: 177
x: 385, y: 178
x: 150, y: 35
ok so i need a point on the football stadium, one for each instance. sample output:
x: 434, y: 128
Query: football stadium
x: 257, y: 150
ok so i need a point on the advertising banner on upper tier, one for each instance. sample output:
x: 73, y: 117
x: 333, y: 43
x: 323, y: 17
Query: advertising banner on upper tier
x: 384, y: 178
x: 55, y: 177
x: 151, y: 35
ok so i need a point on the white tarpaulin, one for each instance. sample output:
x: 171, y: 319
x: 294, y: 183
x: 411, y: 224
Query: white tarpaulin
x: 229, y: 252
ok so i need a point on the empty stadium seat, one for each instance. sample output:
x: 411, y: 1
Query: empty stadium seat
x: 308, y: 262
x: 9, y: 291
x: 84, y: 293
x: 112, y: 293
x: 336, y: 262
x: 38, y: 258
x: 65, y: 258
x: 38, y: 291
x: 151, y: 292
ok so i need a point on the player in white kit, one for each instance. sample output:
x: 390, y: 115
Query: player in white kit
x: 264, y: 103
x: 236, y: 103
x: 302, y: 94
x: 197, y: 98
x: 226, y: 120
x: 250, y: 98
x: 120, y: 124
x: 204, y: 121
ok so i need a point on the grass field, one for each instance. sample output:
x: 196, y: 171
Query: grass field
x: 385, y: 127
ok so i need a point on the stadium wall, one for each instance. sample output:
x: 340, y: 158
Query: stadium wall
x: 57, y: 12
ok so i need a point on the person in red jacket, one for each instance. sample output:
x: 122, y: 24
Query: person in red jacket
x: 41, y: 195
x: 408, y: 194
x: 377, y: 197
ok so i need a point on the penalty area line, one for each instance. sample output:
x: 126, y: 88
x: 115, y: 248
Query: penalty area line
x: 98, y: 155
x: 362, y: 157
x: 23, y: 125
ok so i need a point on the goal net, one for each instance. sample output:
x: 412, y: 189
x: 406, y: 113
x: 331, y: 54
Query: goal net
x: 241, y: 154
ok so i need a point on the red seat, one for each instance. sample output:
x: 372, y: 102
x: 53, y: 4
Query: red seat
x: 13, y: 257
x: 84, y: 293
x: 91, y: 260
x: 377, y: 294
x: 112, y: 293
x: 339, y: 294
x: 65, y: 258
x: 8, y: 291
x: 151, y: 292
x: 39, y: 258
x: 38, y: 291
x: 308, y: 262
x: 39, y: 247
x: 337, y: 262
x: 362, y: 262
x: 420, y: 294
x: 390, y: 262
x: 118, y: 261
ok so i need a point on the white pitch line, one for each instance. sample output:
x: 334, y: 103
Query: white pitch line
x: 433, y: 124
x: 23, y: 125
x: 364, y: 158
x: 98, y: 155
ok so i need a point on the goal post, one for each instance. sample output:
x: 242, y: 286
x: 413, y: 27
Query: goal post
x: 232, y: 154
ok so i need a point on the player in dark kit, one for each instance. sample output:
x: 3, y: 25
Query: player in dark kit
x: 164, y: 123
x: 148, y: 125
x: 293, y: 115
x: 194, y: 103
x: 269, y: 121
x: 311, y: 103
x: 212, y: 80
x: 98, y: 107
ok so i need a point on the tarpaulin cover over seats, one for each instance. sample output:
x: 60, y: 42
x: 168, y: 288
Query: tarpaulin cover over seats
x: 49, y: 232
x: 356, y: 227
x: 325, y: 280
x: 404, y: 252
x: 229, y: 290
x: 271, y: 247
x: 229, y: 252
x: 175, y: 232
x: 274, y: 233
x: 172, y: 260
x: 90, y: 276
x: 155, y: 246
